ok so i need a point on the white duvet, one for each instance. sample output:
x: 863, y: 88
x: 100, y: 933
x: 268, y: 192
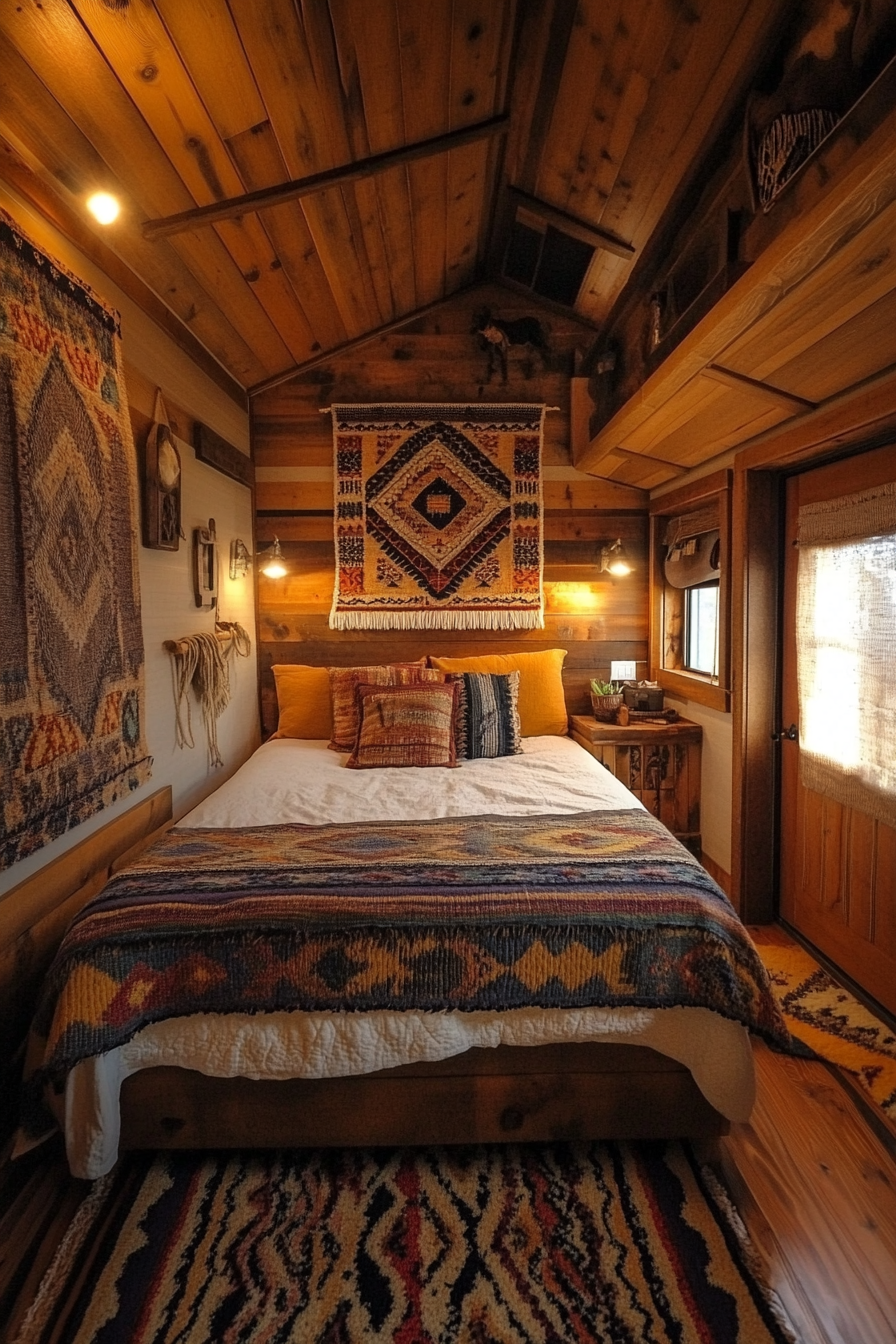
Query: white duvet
x: 300, y: 781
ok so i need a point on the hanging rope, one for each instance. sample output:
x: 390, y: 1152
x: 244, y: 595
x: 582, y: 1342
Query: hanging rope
x: 199, y: 662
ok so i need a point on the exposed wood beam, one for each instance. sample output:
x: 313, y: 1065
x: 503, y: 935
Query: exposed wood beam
x: 276, y: 379
x: 728, y: 376
x: 266, y: 197
x: 571, y: 224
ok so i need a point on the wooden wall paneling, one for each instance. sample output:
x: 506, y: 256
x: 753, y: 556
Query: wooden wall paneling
x: 60, y: 50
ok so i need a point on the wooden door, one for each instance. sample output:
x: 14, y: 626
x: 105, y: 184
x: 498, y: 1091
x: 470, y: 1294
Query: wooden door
x: 838, y: 865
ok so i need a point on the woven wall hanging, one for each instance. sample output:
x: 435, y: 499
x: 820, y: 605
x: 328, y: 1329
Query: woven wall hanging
x: 438, y: 517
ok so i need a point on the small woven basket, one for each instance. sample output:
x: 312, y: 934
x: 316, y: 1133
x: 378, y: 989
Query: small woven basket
x: 604, y: 707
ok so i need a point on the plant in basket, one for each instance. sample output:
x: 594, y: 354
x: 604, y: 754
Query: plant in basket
x: 606, y: 697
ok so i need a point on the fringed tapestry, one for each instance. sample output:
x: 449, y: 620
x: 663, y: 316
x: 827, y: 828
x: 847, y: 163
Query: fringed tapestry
x: 71, y: 648
x: 438, y: 515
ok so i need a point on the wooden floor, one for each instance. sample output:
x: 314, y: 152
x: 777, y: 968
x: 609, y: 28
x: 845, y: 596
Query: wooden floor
x: 814, y: 1181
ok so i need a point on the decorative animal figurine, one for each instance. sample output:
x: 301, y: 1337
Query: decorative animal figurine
x: 497, y: 336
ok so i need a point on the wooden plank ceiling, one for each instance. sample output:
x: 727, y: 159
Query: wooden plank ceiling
x: 606, y: 106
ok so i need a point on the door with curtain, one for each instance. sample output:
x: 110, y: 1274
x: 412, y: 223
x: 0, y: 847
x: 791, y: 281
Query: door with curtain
x: 838, y: 744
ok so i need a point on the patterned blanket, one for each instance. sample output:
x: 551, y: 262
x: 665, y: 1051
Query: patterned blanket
x: 593, y: 909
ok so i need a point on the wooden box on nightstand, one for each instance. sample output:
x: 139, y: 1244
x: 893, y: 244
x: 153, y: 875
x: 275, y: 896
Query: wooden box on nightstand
x: 659, y: 762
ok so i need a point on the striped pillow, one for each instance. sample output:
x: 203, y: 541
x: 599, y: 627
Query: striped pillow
x: 344, y: 681
x: 405, y: 725
x: 488, y: 721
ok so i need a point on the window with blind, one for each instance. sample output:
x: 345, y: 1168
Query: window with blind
x: 690, y: 534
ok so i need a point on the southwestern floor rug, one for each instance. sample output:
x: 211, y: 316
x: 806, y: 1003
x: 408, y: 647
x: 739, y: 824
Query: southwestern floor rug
x: 612, y: 1243
x: 832, y: 1022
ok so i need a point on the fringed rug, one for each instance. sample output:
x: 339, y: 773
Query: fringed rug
x: 832, y: 1022
x: 71, y: 638
x: 625, y: 1244
x: 438, y: 517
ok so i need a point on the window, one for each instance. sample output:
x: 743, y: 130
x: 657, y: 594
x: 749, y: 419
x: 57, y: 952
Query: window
x: 690, y: 531
x: 701, y: 629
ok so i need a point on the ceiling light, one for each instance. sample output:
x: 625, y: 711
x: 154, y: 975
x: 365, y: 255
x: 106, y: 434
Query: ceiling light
x: 613, y: 559
x: 103, y: 207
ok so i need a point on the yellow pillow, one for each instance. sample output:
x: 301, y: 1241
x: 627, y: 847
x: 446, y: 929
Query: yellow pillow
x: 303, y: 694
x: 542, y: 706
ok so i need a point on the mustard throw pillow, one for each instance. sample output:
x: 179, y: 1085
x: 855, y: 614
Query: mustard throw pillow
x: 303, y: 695
x: 541, y: 704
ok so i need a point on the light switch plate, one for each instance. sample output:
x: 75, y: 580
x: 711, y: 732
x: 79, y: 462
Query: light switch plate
x: 622, y: 671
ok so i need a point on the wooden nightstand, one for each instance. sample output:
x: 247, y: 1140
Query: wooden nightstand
x: 659, y: 762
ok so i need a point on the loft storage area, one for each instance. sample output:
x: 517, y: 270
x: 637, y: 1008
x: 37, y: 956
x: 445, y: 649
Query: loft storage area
x: 447, y: 467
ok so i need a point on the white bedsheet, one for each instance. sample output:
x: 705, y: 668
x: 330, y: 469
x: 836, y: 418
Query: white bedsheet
x: 299, y: 781
x: 288, y: 780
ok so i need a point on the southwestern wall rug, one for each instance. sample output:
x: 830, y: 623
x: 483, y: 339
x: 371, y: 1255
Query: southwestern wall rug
x: 601, y: 1243
x: 831, y: 1022
x: 438, y: 517
x: 71, y: 649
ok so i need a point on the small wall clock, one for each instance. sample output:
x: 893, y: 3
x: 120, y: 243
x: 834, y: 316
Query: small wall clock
x: 161, y: 485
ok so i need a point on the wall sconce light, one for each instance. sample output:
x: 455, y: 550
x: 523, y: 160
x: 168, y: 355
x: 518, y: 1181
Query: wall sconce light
x: 614, y: 560
x: 271, y: 560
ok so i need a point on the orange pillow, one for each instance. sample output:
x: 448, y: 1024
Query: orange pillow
x: 345, y: 680
x: 541, y: 704
x: 303, y: 697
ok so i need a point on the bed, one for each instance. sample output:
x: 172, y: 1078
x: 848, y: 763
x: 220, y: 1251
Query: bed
x: 548, y: 962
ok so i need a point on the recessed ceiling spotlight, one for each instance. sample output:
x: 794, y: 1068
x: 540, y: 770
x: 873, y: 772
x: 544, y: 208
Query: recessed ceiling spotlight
x: 103, y: 207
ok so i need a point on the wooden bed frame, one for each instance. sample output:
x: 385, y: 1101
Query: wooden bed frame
x: 508, y: 1094
x: 515, y: 1094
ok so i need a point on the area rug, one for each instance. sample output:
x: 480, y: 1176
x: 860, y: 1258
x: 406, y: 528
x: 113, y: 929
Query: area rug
x: 438, y: 517
x: 613, y: 1243
x: 832, y: 1022
x: 71, y: 639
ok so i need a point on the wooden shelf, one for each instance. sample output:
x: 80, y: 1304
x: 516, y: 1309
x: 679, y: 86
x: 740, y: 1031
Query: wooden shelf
x: 807, y: 320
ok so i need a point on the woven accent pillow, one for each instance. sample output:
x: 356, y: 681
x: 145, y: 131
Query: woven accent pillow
x: 488, y: 720
x: 405, y: 725
x: 344, y: 681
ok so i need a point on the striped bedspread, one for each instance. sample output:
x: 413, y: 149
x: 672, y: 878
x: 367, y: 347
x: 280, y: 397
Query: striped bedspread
x: 590, y: 909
